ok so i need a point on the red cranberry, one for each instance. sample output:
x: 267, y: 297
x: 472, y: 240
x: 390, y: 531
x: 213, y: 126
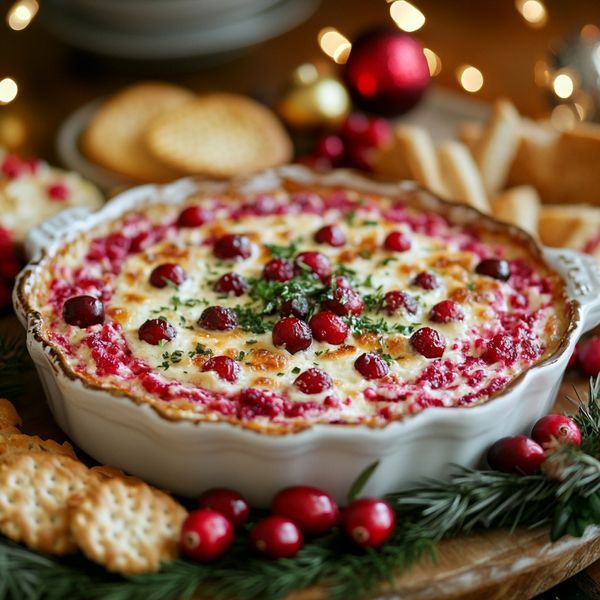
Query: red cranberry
x: 428, y: 342
x: 313, y: 381
x: 331, y: 147
x: 14, y: 166
x: 293, y: 334
x: 396, y: 300
x: 518, y: 454
x: 218, y: 318
x: 354, y: 128
x: 368, y: 522
x: 397, y: 241
x: 574, y: 358
x: 556, y: 427
x: 194, y: 216
x: 589, y: 357
x: 295, y: 307
x: 379, y: 133
x: 226, y: 368
x: 427, y: 281
x: 276, y: 537
x: 83, y: 311
x: 205, y: 535
x: 345, y: 302
x: 326, y: 326
x: 58, y: 191
x: 315, y: 262
x: 231, y: 246
x: 162, y: 274
x: 230, y: 504
x: 494, y: 267
x: 371, y: 366
x: 313, y: 510
x: 332, y: 235
x: 278, y: 269
x: 446, y: 311
x: 501, y: 348
x: 154, y: 331
x: 231, y: 283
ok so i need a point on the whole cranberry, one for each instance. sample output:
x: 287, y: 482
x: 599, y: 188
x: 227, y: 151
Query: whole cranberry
x: 574, y: 358
x: 428, y: 342
x: 501, y: 348
x: 379, y: 133
x: 397, y: 241
x: 276, y: 537
x: 154, y: 331
x: 518, y: 454
x: 368, y: 522
x: 494, y: 267
x: 397, y: 300
x: 58, y: 191
x: 315, y: 262
x: 371, y: 366
x: 231, y: 284
x: 230, y: 504
x: 164, y: 273
x: 232, y: 246
x: 326, y: 326
x: 278, y: 269
x: 312, y: 509
x: 295, y: 307
x: 205, y: 535
x: 226, y: 368
x: 446, y: 311
x: 331, y: 147
x: 313, y: 381
x: 218, y: 318
x: 556, y: 427
x: 427, y: 281
x: 354, y: 128
x: 293, y: 334
x: 194, y: 216
x: 332, y: 235
x: 345, y: 302
x: 83, y: 311
x: 589, y: 357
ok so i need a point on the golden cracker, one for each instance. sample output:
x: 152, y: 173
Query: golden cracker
x: 9, y: 417
x: 20, y: 442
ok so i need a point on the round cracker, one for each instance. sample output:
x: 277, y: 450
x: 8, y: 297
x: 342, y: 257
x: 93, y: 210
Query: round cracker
x: 220, y: 135
x: 17, y: 443
x: 114, y: 137
x: 34, y: 492
x: 9, y: 417
x: 127, y: 527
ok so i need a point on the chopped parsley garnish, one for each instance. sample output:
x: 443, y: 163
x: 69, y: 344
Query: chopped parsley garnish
x: 200, y: 349
x: 370, y: 223
x: 350, y: 217
x: 296, y: 370
x: 284, y: 251
x: 363, y: 324
x: 365, y: 254
x: 241, y: 355
x: 170, y: 358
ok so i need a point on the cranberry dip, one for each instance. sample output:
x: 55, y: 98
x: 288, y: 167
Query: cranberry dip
x: 299, y: 306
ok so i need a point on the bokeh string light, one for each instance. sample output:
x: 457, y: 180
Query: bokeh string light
x: 434, y: 62
x: 563, y: 84
x: 470, y: 78
x: 21, y: 14
x: 8, y: 90
x: 406, y: 16
x: 334, y: 44
x: 533, y: 11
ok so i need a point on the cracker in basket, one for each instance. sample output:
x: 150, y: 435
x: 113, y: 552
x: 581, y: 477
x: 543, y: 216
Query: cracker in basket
x: 220, y: 135
x: 9, y: 417
x: 115, y: 136
x: 20, y: 442
x: 519, y: 206
x: 127, y: 527
x: 557, y: 222
x: 34, y: 492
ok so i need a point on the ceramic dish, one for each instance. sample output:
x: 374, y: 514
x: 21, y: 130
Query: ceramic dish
x: 188, y: 457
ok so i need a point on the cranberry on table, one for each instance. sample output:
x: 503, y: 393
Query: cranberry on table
x: 331, y: 147
x: 278, y: 269
x: 345, y: 302
x: 295, y: 307
x: 312, y: 509
x: 231, y: 284
x: 313, y: 381
x: 83, y: 311
x: 427, y: 281
x: 205, y: 535
x: 332, y: 235
x: 518, y: 454
x: 218, y: 318
x: 194, y: 216
x: 276, y: 537
x: 232, y: 246
x: 556, y: 427
x: 395, y: 300
x: 154, y: 331
x: 397, y: 241
x: 368, y: 522
x: 226, y: 368
x: 446, y: 311
x: 326, y: 326
x: 589, y: 357
x: 428, y: 342
x: 230, y: 504
x: 315, y: 262
x: 494, y: 267
x: 501, y: 348
x: 162, y: 274
x: 293, y: 334
x: 371, y: 366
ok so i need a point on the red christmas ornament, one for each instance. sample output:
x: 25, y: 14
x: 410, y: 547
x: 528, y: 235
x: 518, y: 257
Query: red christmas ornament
x: 387, y: 72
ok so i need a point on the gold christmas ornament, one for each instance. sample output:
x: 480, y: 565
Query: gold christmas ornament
x: 314, y: 99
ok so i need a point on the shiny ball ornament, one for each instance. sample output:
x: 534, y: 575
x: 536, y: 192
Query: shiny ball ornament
x: 314, y: 99
x: 387, y: 72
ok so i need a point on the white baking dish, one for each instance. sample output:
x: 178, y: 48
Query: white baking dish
x: 188, y: 457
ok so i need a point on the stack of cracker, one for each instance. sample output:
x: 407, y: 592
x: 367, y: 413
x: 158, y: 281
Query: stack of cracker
x: 157, y: 132
x: 55, y: 504
x: 525, y: 173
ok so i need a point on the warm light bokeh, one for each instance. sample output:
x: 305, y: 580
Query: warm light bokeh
x: 407, y: 16
x: 434, y: 62
x: 334, y: 44
x: 470, y: 78
x: 8, y: 90
x: 21, y: 13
